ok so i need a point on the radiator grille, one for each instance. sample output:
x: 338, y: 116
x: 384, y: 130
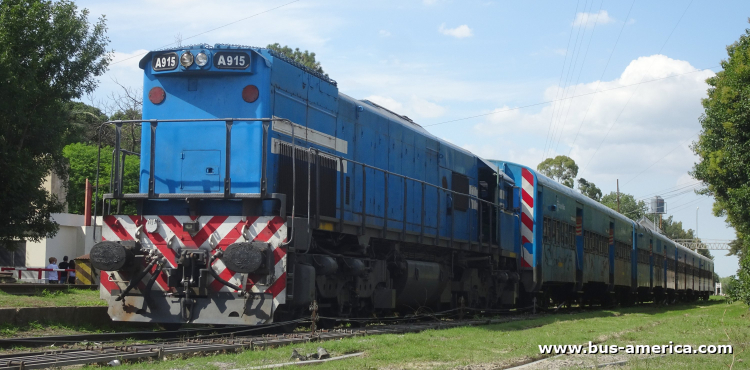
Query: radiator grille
x: 327, y: 180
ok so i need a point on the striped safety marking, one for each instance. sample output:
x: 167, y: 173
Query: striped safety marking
x: 216, y: 233
x: 579, y: 226
x: 83, y: 273
x: 527, y: 217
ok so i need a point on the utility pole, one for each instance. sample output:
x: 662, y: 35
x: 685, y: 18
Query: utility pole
x: 696, y: 222
x: 618, y: 195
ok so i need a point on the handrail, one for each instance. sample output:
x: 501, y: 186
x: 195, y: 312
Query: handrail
x: 227, y: 194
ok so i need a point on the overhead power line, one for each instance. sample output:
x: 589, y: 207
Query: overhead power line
x: 580, y: 72
x: 571, y: 97
x: 211, y: 30
x: 656, y: 161
x: 636, y: 88
x: 562, y: 72
x: 669, y: 190
x: 566, y: 85
x: 602, y: 76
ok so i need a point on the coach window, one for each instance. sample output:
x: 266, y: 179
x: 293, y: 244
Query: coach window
x: 572, y: 236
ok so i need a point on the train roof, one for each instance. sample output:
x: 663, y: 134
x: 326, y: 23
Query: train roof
x: 264, y: 53
x: 552, y: 184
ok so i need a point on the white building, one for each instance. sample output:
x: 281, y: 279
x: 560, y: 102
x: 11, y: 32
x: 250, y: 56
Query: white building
x: 72, y: 240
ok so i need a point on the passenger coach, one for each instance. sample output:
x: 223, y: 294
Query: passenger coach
x: 579, y: 248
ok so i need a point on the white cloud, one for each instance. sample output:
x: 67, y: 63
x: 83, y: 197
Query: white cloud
x: 414, y: 107
x: 429, y: 2
x: 249, y: 22
x: 386, y: 102
x: 384, y: 33
x: 657, y: 124
x: 588, y: 19
x: 427, y: 109
x: 458, y: 32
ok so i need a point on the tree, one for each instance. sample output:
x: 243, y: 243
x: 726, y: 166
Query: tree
x: 629, y: 207
x: 722, y: 146
x: 673, y: 230
x: 305, y: 58
x: 736, y: 248
x: 126, y: 105
x: 738, y: 288
x: 82, y: 159
x: 589, y: 189
x: 50, y: 56
x: 562, y: 169
x: 84, y: 121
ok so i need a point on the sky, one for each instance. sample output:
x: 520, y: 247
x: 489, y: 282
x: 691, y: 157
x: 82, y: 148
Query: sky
x: 615, y: 85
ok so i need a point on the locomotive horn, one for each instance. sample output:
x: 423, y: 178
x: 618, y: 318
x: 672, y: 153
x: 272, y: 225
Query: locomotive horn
x: 245, y: 257
x: 111, y: 256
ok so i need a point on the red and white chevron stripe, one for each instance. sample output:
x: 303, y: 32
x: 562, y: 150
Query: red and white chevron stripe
x: 527, y: 216
x: 217, y: 232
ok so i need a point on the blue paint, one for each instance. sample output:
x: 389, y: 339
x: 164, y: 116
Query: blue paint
x: 190, y: 157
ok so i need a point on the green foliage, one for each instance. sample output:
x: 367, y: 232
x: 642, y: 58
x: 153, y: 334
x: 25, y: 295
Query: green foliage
x: 562, y: 169
x: 50, y: 56
x: 589, y: 189
x: 726, y: 283
x: 305, y: 58
x: 737, y: 248
x: 82, y: 165
x: 84, y: 120
x: 722, y: 147
x: 629, y: 207
x: 738, y: 288
x: 673, y: 230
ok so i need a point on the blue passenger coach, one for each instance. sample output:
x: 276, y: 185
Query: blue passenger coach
x: 581, y: 249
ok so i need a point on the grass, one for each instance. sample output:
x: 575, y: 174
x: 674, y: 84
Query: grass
x: 36, y: 329
x: 61, y: 298
x: 502, y: 345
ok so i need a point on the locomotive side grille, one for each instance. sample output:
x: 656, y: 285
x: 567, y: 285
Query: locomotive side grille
x: 328, y: 184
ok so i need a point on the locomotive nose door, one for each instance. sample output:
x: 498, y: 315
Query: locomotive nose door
x: 200, y: 172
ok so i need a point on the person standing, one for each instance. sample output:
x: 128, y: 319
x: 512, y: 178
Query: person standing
x: 64, y: 274
x: 52, y: 276
x: 72, y: 275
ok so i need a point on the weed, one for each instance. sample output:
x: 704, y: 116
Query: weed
x: 508, y: 343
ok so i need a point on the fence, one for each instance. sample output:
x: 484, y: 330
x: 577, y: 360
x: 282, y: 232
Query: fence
x: 33, y: 274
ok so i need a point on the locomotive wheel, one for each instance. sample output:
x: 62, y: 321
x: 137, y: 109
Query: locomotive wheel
x: 170, y: 326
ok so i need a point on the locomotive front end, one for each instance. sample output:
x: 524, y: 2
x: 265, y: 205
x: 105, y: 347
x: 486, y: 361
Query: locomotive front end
x: 181, y: 269
x: 206, y: 244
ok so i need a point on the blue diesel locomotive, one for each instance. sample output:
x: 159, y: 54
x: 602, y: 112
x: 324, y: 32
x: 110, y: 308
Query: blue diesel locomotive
x: 263, y: 189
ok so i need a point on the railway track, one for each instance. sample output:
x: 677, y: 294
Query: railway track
x: 201, y: 341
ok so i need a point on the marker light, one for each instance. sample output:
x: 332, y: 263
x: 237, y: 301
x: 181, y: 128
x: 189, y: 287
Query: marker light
x: 250, y: 93
x: 156, y: 95
x: 201, y: 59
x: 186, y: 59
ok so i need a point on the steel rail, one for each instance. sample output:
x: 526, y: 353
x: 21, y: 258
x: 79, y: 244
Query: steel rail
x: 136, y: 335
x: 103, y: 354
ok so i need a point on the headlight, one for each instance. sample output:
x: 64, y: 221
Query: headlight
x: 186, y: 59
x: 201, y: 59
